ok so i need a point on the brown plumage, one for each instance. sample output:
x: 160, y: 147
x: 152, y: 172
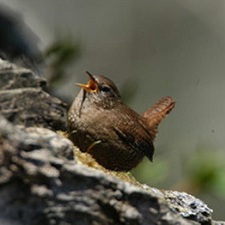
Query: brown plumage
x: 157, y: 113
x: 102, y: 125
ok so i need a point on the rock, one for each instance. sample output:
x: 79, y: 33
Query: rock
x: 23, y: 100
x: 13, y: 77
x: 41, y: 183
x: 188, y: 206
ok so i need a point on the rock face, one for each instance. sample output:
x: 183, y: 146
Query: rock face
x: 23, y: 100
x: 41, y: 183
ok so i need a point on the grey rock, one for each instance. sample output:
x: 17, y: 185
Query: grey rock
x: 40, y: 185
x: 23, y: 100
x: 218, y: 223
x: 13, y: 77
x: 188, y: 206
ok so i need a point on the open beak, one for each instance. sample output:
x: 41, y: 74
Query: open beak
x: 91, y: 86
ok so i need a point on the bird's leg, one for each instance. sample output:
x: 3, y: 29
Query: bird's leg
x: 92, y: 145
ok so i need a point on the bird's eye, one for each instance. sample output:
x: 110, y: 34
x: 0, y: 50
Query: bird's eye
x: 106, y: 89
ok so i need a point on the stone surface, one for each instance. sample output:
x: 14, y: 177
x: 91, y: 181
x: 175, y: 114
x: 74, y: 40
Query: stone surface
x: 39, y: 185
x: 41, y: 182
x: 13, y: 77
x: 23, y: 99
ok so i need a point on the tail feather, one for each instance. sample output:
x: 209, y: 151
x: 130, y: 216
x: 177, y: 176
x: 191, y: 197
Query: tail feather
x: 158, y: 112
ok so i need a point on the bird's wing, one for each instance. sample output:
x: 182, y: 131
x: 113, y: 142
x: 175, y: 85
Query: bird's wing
x: 134, y: 132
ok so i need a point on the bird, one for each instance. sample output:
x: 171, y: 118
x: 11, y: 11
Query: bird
x: 102, y: 125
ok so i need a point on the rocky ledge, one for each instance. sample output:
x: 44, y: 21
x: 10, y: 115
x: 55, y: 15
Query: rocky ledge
x: 42, y: 183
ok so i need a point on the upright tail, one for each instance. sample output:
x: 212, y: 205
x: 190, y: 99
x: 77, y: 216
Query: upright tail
x: 158, y: 112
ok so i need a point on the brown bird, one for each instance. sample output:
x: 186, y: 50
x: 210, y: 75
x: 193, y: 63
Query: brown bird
x: 100, y: 124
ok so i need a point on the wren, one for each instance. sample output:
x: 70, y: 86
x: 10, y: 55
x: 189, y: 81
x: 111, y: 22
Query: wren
x: 117, y: 137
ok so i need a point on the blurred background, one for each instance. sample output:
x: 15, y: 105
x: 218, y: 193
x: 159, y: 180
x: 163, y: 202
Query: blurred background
x: 150, y: 49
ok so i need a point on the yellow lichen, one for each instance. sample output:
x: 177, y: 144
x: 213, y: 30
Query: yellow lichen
x: 88, y: 160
